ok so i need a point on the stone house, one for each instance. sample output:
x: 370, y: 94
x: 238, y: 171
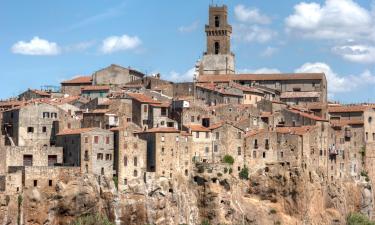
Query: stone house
x: 163, y: 149
x: 74, y: 86
x: 92, y: 92
x: 115, y: 76
x: 91, y: 149
x: 201, y: 148
x: 101, y: 118
x: 130, y: 157
x: 33, y: 94
x: 214, y: 95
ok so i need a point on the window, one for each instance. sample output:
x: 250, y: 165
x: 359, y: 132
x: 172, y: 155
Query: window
x: 102, y: 171
x: 28, y: 160
x: 30, y: 130
x: 125, y: 181
x: 162, y: 138
x: 239, y: 150
x: 99, y: 156
x: 239, y: 135
x: 86, y: 140
x: 207, y: 135
x: 135, y: 161
x: 107, y: 140
x: 256, y: 144
x: 164, y: 111
x: 366, y: 136
x: 35, y: 183
x: 370, y: 119
x: 217, y: 21
x: 217, y: 48
x: 128, y: 120
x: 135, y: 173
x: 282, y: 154
x: 69, y: 126
x: 108, y: 157
x: 145, y: 108
x: 86, y: 157
x: 192, y: 119
x: 216, y: 148
x: 44, y: 129
x: 162, y: 150
x: 125, y: 161
x: 186, y: 173
x: 53, y: 115
x: 50, y: 183
x: 46, y: 115
x: 217, y: 135
x: 52, y: 160
x: 267, y: 144
x: 264, y: 155
x: 197, y: 134
x: 96, y: 139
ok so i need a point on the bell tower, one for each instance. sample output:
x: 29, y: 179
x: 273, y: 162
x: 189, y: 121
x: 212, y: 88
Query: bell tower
x: 218, y: 58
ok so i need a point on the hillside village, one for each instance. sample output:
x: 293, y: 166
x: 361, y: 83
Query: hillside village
x: 121, y: 124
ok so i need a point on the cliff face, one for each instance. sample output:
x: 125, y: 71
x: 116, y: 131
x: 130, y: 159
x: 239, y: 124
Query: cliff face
x: 271, y: 196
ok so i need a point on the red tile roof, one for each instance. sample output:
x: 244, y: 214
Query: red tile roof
x: 260, y: 77
x: 300, y: 94
x: 75, y: 131
x: 79, y: 80
x: 307, y: 115
x: 41, y: 93
x: 341, y: 123
x: 96, y: 88
x: 161, y: 130
x: 294, y: 130
x: 142, y: 98
x: 198, y: 127
x: 347, y: 108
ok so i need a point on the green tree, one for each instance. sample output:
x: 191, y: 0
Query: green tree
x: 244, y: 173
x: 358, y: 219
x: 228, y: 159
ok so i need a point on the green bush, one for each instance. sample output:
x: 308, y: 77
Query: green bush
x: 92, y: 220
x: 115, y: 180
x: 244, y: 173
x: 219, y: 174
x: 228, y: 159
x: 205, y: 222
x: 358, y: 219
x: 273, y: 211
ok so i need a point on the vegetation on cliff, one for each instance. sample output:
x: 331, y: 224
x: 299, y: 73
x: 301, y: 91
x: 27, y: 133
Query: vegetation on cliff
x: 358, y: 219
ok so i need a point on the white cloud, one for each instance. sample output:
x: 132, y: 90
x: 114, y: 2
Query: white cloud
x: 120, y: 43
x: 182, y: 77
x: 249, y: 15
x: 190, y: 28
x: 334, y: 20
x: 263, y: 70
x: 253, y: 33
x: 36, y: 46
x: 269, y: 51
x: 338, y: 83
x: 356, y: 52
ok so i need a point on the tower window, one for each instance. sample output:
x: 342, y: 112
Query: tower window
x: 217, y: 48
x: 217, y: 21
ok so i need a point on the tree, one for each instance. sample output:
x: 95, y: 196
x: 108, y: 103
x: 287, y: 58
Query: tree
x: 244, y: 173
x: 228, y: 159
x: 358, y: 219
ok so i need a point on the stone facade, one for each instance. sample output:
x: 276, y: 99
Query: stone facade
x: 115, y: 75
x: 91, y: 149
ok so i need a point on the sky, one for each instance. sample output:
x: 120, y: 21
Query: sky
x: 44, y: 42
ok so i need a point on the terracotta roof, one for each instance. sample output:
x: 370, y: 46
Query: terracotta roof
x: 161, y: 130
x: 221, y: 90
x: 307, y: 115
x: 163, y: 104
x: 216, y: 125
x: 294, y: 130
x: 341, y: 123
x: 197, y: 127
x: 96, y: 88
x: 260, y: 77
x: 79, y: 80
x: 41, y: 93
x: 75, y: 131
x: 254, y: 132
x: 300, y: 94
x: 347, y: 108
x: 142, y: 98
x: 61, y: 101
x: 246, y: 88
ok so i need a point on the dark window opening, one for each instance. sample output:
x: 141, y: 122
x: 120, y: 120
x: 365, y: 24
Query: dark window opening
x: 217, y: 48
x: 217, y: 21
x: 35, y: 183
x: 50, y: 183
x: 44, y: 129
x: 30, y: 130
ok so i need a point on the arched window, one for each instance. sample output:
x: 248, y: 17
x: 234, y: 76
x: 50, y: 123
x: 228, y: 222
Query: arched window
x: 125, y: 161
x: 217, y: 48
x: 217, y: 21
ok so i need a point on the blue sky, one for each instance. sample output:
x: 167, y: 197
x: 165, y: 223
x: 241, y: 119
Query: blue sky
x: 45, y: 42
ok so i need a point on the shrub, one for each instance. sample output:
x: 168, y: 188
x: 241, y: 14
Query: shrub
x: 92, y: 220
x: 205, y: 222
x: 228, y: 159
x: 273, y: 211
x: 358, y: 219
x: 115, y: 180
x: 244, y: 173
x: 219, y: 174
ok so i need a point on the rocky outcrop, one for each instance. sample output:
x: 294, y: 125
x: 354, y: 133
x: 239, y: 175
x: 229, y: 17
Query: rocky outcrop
x: 272, y: 195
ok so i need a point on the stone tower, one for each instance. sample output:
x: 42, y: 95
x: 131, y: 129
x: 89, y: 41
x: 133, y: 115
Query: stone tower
x: 218, y: 59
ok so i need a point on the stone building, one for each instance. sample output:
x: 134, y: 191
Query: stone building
x: 92, y: 92
x: 91, y: 149
x: 214, y: 95
x: 130, y: 157
x: 163, y: 150
x: 115, y: 76
x: 74, y: 86
x: 218, y: 58
x: 33, y: 94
